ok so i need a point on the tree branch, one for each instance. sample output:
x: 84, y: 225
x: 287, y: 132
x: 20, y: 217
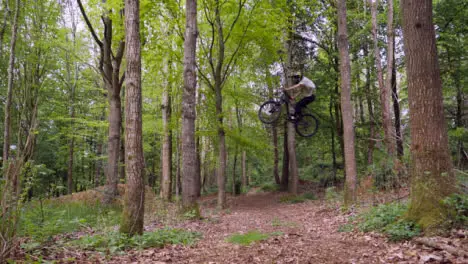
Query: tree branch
x: 88, y: 23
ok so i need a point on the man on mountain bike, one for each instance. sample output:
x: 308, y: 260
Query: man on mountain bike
x: 303, y: 87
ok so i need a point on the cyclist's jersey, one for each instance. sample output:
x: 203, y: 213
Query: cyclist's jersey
x: 305, y: 88
x: 308, y: 86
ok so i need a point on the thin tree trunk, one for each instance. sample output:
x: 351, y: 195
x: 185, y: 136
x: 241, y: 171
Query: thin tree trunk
x: 189, y: 153
x: 166, y: 177
x: 432, y: 178
x: 70, y: 158
x: 133, y: 211
x: 178, y: 184
x: 6, y: 14
x: 346, y: 106
x: 396, y: 110
x: 370, y: 109
x: 11, y: 66
x: 221, y: 175
x: 285, y: 170
x: 276, y: 155
x: 234, y: 172
x: 244, y: 170
x: 385, y: 90
x: 332, y: 135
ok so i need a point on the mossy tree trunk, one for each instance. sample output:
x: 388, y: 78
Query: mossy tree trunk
x: 134, y: 201
x: 432, y: 178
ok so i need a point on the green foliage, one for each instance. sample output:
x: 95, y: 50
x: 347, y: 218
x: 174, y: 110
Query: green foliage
x: 41, y: 220
x: 401, y: 230
x: 457, y: 205
x: 379, y: 217
x: 388, y: 219
x: 248, y: 238
x: 114, y: 242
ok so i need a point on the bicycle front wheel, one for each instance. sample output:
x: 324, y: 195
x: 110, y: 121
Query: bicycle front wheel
x: 307, y: 125
x: 269, y: 112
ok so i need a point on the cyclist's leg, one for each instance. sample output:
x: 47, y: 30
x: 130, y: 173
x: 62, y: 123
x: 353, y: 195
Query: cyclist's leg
x: 303, y: 103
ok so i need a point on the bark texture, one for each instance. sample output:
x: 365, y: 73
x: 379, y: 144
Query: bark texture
x: 432, y: 178
x: 189, y: 153
x: 346, y: 106
x: 133, y: 212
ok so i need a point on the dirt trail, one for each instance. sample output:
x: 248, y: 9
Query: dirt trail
x: 306, y: 233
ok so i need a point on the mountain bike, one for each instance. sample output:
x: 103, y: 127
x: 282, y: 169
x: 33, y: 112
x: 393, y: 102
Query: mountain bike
x: 306, y: 124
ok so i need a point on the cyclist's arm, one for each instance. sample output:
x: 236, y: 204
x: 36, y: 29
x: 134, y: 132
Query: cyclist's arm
x: 293, y: 87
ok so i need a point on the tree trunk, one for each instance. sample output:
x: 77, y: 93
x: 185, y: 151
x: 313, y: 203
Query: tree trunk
x: 285, y: 170
x: 218, y: 85
x: 221, y: 175
x: 11, y: 66
x: 109, y: 66
x: 346, y: 106
x: 384, y: 89
x: 178, y: 184
x: 432, y: 178
x: 244, y: 170
x: 396, y: 110
x: 370, y: 109
x: 234, y: 172
x: 276, y: 155
x: 333, y: 144
x: 189, y: 153
x: 6, y: 14
x: 133, y: 211
x: 70, y: 160
x: 166, y: 177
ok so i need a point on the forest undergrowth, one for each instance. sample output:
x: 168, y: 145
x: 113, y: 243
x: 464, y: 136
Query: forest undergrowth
x: 258, y: 227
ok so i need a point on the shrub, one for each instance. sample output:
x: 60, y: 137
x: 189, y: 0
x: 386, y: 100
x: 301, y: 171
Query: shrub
x: 458, y: 209
x: 379, y: 217
x: 401, y: 230
x: 297, y: 198
x: 388, y: 219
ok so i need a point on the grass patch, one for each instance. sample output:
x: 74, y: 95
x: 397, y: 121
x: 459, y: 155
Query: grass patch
x: 115, y: 242
x: 293, y: 199
x: 41, y: 220
x: 250, y: 237
x: 269, y: 187
x: 278, y: 223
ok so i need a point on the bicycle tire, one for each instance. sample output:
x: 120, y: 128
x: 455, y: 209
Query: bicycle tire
x: 269, y: 112
x: 306, y: 125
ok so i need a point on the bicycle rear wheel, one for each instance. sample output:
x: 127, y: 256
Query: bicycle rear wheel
x: 269, y: 112
x: 307, y: 125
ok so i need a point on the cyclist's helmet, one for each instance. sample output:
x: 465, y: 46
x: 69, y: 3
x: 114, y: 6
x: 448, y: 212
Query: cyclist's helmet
x: 296, y: 77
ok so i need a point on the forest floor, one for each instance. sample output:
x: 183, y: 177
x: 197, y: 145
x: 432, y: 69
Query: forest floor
x: 302, y: 233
